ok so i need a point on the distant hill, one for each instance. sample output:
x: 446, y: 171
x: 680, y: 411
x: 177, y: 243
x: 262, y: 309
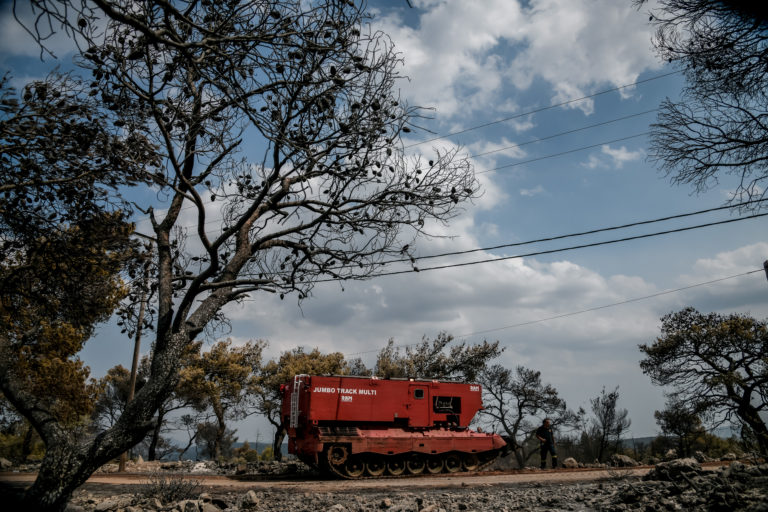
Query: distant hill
x: 193, y: 454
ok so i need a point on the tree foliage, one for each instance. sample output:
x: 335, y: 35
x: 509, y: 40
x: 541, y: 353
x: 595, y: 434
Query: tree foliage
x: 321, y: 189
x: 677, y: 421
x: 219, y: 380
x: 720, y: 124
x: 715, y: 364
x: 265, y: 389
x: 430, y: 359
x: 516, y: 402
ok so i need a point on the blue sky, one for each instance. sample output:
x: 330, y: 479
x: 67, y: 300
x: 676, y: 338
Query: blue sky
x: 478, y: 62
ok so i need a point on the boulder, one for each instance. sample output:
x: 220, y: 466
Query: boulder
x: 623, y: 461
x: 114, y: 503
x: 5, y: 464
x: 250, y: 500
x: 700, y: 457
x: 571, y: 463
x: 188, y: 506
x: 729, y: 456
x: 674, y: 470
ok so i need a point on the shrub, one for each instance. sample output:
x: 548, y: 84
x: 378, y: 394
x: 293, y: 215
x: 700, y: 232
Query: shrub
x: 169, y: 488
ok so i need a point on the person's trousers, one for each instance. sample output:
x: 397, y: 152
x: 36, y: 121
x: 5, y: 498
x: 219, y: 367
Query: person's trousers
x: 548, y: 448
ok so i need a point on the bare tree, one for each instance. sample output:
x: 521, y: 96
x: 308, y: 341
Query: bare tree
x: 608, y: 424
x: 720, y: 124
x: 312, y: 90
x: 517, y: 402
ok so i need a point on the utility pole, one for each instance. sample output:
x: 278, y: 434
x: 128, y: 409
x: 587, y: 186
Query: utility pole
x: 135, y: 364
x: 765, y: 266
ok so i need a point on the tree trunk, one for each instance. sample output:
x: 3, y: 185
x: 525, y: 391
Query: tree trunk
x: 750, y: 415
x: 71, y: 457
x: 277, y: 444
x: 152, y: 450
x: 26, y: 444
x: 67, y: 464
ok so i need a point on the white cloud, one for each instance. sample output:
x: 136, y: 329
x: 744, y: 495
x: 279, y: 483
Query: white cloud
x: 459, y: 60
x: 530, y: 192
x: 616, y: 158
x: 621, y: 155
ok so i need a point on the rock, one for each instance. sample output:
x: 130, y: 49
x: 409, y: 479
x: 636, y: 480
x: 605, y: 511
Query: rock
x: 623, y: 461
x: 729, y: 456
x: 701, y: 457
x: 5, y: 464
x: 220, y: 503
x: 134, y: 509
x: 188, y: 506
x: 570, y: 462
x: 671, y: 471
x: 430, y: 508
x: 671, y: 454
x: 155, y: 504
x: 385, y: 503
x: 337, y: 508
x: 139, y: 460
x: 209, y: 507
x: 71, y: 507
x: 113, y: 503
x: 241, y: 469
x: 200, y: 467
x: 250, y: 500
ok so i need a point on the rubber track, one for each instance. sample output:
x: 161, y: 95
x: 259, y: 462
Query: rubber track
x: 408, y: 475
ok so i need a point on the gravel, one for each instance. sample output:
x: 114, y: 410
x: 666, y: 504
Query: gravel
x: 676, y: 485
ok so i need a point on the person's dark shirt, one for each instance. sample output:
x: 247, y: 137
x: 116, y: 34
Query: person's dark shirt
x: 546, y: 434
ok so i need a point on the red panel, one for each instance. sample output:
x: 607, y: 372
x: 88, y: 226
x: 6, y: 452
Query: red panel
x: 364, y: 400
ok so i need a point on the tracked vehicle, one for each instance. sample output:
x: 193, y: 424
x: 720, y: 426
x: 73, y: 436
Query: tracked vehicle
x: 358, y: 427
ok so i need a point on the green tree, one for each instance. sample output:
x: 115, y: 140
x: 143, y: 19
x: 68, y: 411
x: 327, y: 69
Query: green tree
x: 265, y: 390
x: 719, y: 124
x: 716, y: 364
x: 313, y: 91
x: 517, y: 402
x: 430, y: 359
x: 678, y: 422
x: 219, y: 380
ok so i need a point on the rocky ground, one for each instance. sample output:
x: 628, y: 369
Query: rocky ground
x: 675, y: 485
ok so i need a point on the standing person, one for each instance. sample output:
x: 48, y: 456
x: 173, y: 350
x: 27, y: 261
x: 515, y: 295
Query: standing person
x: 547, y: 439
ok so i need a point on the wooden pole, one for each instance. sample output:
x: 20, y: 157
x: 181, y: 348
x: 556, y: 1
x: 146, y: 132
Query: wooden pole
x: 135, y: 364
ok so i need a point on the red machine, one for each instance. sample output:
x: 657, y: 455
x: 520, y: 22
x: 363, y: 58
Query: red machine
x: 355, y: 426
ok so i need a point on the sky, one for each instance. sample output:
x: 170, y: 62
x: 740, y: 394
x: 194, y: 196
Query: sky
x: 578, y: 316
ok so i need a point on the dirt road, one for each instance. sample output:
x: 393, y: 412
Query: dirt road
x: 123, y: 482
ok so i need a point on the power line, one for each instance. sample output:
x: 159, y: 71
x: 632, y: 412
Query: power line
x: 579, y: 312
x: 553, y: 251
x: 553, y: 155
x: 568, y: 132
x: 542, y: 109
x: 558, y: 237
x: 582, y: 233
